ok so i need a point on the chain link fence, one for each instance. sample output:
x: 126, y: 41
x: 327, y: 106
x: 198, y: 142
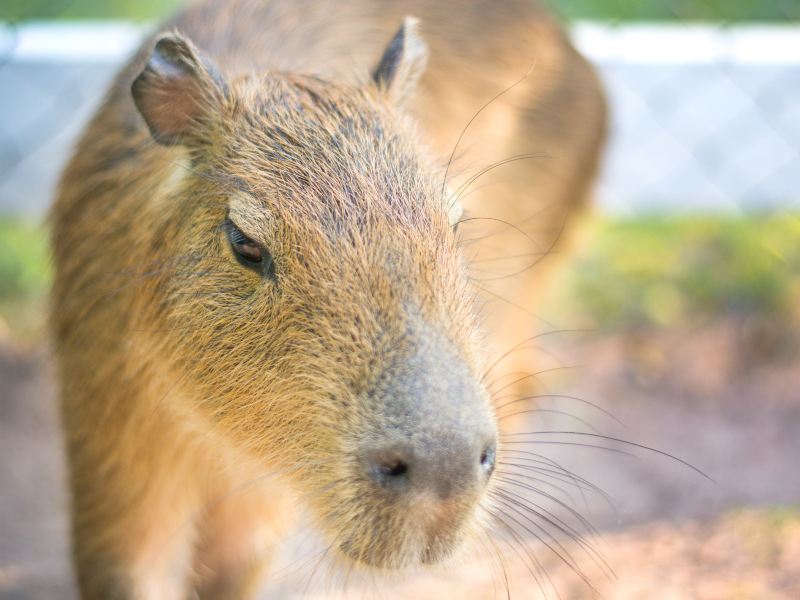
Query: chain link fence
x: 704, y: 116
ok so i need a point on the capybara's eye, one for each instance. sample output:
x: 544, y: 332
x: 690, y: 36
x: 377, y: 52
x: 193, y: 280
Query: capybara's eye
x: 249, y: 253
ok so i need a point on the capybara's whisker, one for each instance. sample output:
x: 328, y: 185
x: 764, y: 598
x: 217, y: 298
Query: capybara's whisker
x: 561, y: 475
x: 522, y: 484
x: 560, y: 397
x: 477, y: 113
x: 528, y: 558
x: 523, y: 344
x: 549, y: 251
x: 513, y: 304
x: 546, y: 411
x: 511, y: 159
x: 572, y: 444
x: 541, y: 533
x: 611, y: 439
x: 508, y: 471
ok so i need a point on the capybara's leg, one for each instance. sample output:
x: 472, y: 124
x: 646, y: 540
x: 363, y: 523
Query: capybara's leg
x: 238, y: 533
x: 132, y: 523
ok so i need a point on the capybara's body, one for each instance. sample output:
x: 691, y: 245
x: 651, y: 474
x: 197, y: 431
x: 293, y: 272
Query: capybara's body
x: 260, y: 300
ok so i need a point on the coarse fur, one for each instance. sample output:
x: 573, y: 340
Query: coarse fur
x: 201, y: 401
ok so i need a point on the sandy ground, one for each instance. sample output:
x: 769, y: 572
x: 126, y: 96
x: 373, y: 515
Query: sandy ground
x: 724, y: 397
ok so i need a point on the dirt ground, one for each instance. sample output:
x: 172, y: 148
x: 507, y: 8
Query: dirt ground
x: 724, y: 397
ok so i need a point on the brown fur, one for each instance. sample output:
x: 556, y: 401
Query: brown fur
x: 200, y: 402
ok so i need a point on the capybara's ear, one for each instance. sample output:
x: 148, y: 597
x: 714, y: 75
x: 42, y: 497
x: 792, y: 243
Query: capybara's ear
x: 402, y: 62
x: 177, y: 91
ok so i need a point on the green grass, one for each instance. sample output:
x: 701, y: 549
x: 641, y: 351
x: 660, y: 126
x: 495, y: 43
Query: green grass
x: 24, y: 278
x: 663, y: 272
x: 23, y: 259
x: 681, y: 10
x: 680, y: 271
x: 136, y: 10
x: 713, y: 10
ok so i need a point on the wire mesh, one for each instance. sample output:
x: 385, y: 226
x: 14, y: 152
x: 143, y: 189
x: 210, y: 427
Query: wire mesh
x: 703, y: 114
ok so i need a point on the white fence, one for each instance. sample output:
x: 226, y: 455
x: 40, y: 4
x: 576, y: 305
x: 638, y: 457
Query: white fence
x: 704, y: 118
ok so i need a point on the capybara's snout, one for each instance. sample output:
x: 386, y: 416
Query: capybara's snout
x: 433, y: 432
x: 426, y: 451
x: 460, y: 463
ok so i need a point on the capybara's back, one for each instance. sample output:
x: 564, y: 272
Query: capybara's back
x: 264, y: 297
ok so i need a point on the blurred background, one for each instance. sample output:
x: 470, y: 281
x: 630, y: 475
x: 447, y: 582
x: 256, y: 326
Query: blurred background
x: 682, y: 300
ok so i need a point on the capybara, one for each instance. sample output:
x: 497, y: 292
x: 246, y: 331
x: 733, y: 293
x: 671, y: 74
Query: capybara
x: 264, y: 298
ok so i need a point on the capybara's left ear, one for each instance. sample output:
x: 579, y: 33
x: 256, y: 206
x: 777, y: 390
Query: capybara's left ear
x: 403, y: 62
x: 178, y: 91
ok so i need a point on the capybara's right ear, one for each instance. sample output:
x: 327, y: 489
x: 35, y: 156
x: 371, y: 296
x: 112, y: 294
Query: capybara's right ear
x: 177, y: 91
x: 402, y: 62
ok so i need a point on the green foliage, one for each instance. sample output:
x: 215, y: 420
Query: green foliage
x: 682, y: 10
x: 660, y: 271
x: 23, y: 259
x: 24, y: 279
x: 707, y: 10
x: 641, y: 272
x: 137, y: 10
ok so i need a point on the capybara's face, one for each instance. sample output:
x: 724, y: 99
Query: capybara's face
x: 323, y: 315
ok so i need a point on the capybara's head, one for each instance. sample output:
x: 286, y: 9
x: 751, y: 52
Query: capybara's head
x: 318, y: 308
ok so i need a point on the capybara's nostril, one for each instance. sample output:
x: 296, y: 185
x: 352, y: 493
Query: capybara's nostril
x: 396, y: 468
x: 389, y: 469
x: 451, y: 464
x: 488, y: 458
